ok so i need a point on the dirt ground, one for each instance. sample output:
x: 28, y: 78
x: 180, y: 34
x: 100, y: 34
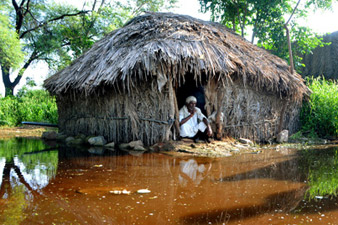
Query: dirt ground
x: 222, y: 148
x: 24, y: 131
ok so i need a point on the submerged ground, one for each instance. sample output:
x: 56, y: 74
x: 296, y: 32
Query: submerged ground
x: 45, y: 183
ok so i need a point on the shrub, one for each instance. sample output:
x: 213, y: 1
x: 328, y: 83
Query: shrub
x: 319, y: 115
x: 32, y: 105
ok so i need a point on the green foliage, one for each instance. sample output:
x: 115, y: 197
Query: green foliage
x: 80, y: 33
x: 319, y: 114
x: 267, y: 20
x: 10, y: 46
x: 321, y: 167
x: 34, y: 105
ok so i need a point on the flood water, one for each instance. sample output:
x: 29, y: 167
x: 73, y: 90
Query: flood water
x: 43, y: 184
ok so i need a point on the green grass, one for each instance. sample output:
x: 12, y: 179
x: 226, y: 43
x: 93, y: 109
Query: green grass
x: 319, y: 115
x: 33, y: 105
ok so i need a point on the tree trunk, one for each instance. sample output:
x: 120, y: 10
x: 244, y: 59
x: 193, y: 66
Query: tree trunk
x: 9, y: 89
x: 290, y: 50
x: 9, y: 86
x: 288, y: 37
x: 253, y: 37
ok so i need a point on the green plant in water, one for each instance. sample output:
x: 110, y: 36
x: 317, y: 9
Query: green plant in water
x: 321, y: 167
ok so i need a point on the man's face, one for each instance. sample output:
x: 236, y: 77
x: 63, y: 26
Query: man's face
x: 191, y: 106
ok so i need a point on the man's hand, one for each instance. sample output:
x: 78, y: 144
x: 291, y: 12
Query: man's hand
x: 192, y: 113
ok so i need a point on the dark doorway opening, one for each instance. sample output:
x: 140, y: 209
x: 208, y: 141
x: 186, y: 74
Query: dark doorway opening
x: 191, y: 87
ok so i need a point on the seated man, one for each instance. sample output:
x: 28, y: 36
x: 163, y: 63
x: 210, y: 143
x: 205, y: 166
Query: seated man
x: 193, y: 123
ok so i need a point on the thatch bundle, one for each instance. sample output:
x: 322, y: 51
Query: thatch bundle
x: 125, y: 86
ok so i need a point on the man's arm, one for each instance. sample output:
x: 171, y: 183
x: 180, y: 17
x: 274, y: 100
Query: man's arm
x: 209, y: 130
x: 184, y: 120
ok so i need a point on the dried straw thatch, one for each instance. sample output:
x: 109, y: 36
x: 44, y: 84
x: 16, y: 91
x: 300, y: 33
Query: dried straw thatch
x: 125, y: 86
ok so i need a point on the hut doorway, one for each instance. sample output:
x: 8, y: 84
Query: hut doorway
x: 191, y: 87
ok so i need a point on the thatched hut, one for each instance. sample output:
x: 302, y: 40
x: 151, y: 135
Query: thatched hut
x: 131, y: 84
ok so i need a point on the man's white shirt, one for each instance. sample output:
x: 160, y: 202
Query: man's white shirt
x: 195, y: 123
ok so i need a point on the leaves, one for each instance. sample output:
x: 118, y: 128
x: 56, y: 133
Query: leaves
x: 267, y: 19
x: 36, y: 105
x: 10, y: 46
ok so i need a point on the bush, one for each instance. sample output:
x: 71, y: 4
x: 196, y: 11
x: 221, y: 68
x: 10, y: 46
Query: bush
x: 319, y: 114
x: 33, y: 105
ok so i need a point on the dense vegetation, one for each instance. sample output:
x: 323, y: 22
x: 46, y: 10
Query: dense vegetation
x: 267, y: 22
x: 319, y: 115
x: 28, y: 105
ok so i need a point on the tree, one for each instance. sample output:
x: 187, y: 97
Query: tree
x: 10, y: 47
x: 57, y: 33
x: 31, y: 21
x: 104, y: 16
x: 267, y: 21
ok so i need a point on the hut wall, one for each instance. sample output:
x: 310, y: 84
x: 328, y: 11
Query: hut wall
x: 255, y: 115
x: 118, y: 117
x: 122, y: 118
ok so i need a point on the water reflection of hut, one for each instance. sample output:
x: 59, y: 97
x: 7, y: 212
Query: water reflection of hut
x: 131, y: 83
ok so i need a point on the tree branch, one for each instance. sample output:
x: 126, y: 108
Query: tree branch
x: 22, y: 3
x: 134, y: 13
x: 33, y: 57
x: 288, y: 39
x: 51, y: 20
x: 27, y: 8
x: 94, y: 4
x: 16, y: 7
x: 19, y: 15
x: 293, y: 12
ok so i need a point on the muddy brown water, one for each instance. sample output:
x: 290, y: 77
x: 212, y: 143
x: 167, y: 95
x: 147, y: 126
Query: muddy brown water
x: 64, y: 185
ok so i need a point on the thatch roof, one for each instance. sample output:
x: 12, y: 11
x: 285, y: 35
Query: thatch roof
x: 163, y: 44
